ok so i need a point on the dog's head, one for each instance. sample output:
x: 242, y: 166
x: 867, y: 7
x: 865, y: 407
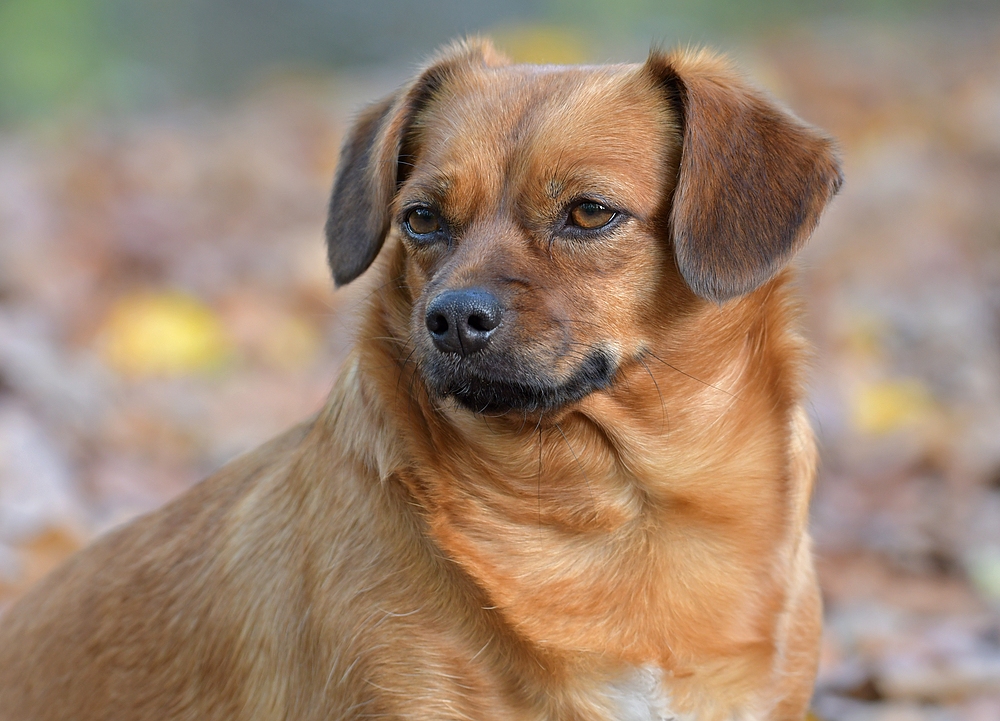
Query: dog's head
x: 553, y: 219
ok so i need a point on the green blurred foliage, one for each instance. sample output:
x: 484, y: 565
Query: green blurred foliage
x: 50, y: 50
x: 129, y: 53
x: 731, y: 16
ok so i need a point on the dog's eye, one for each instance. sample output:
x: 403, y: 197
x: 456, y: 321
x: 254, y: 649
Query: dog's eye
x: 422, y: 221
x: 590, y: 216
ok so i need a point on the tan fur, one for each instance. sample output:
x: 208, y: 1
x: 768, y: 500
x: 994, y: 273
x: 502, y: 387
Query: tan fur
x: 401, y: 556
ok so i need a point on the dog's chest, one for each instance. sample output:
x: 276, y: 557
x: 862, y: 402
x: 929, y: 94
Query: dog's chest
x: 640, y: 695
x: 643, y: 694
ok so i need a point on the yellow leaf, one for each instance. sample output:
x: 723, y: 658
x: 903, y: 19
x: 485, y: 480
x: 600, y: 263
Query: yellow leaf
x: 889, y: 405
x: 541, y: 44
x: 163, y: 334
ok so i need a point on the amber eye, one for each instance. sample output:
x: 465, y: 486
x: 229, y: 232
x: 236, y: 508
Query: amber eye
x: 422, y: 221
x: 590, y: 216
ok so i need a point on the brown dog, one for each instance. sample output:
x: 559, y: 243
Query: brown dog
x: 565, y: 472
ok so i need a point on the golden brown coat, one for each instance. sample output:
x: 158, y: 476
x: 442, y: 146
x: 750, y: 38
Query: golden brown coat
x: 621, y: 533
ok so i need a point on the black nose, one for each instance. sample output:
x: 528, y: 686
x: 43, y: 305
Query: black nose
x: 462, y: 321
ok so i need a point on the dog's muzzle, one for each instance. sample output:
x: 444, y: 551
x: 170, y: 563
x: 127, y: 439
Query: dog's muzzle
x: 483, y: 368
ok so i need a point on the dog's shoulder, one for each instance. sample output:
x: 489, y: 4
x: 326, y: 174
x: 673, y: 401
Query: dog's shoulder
x: 147, y: 589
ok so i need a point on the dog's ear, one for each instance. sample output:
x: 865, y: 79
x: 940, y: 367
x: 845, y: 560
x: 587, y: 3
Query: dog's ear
x: 375, y: 160
x: 752, y: 178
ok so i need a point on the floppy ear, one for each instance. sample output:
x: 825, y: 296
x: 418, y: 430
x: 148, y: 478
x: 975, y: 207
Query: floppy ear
x: 752, y: 179
x: 358, y: 218
x: 374, y: 163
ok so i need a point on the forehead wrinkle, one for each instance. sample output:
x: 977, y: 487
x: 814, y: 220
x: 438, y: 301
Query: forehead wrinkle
x: 541, y: 91
x: 463, y: 137
x: 458, y: 185
x: 619, y: 151
x: 496, y: 132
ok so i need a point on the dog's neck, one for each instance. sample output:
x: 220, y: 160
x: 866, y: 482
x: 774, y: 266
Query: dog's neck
x: 581, y: 525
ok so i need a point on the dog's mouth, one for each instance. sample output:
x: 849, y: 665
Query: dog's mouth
x: 497, y: 388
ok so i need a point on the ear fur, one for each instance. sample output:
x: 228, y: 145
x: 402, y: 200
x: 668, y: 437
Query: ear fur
x: 370, y: 169
x: 752, y: 181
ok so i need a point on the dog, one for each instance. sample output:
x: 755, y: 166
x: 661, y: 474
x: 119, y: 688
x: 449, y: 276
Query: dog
x: 564, y: 472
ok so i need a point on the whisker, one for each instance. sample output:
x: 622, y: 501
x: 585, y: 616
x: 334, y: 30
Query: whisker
x: 538, y: 489
x: 409, y: 390
x: 391, y: 339
x: 524, y: 419
x: 663, y: 408
x: 486, y: 421
x: 402, y: 368
x: 576, y: 458
x: 376, y: 289
x: 694, y: 378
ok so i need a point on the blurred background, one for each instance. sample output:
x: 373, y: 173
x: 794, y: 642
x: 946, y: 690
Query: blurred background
x: 165, y: 304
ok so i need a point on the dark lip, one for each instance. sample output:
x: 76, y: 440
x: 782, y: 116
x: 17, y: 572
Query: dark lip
x: 498, y: 392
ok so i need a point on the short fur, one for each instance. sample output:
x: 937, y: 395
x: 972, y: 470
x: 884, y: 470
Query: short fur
x: 620, y: 533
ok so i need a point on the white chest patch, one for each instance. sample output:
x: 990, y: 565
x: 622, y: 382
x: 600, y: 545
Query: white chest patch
x: 641, y: 696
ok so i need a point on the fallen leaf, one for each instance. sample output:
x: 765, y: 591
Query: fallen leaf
x: 886, y: 406
x: 164, y: 334
x: 541, y: 44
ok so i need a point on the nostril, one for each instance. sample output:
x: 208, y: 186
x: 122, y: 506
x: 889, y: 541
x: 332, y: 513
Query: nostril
x: 480, y: 323
x: 437, y: 324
